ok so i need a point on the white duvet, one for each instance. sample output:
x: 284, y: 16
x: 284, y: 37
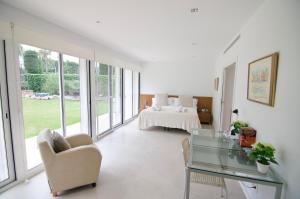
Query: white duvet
x: 168, y: 116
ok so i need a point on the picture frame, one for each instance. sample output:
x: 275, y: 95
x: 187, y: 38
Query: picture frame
x: 216, y: 83
x: 262, y: 75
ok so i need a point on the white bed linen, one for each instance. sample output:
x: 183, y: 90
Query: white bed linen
x: 169, y: 117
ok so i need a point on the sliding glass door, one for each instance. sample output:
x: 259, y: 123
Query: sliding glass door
x: 7, y: 173
x: 39, y: 74
x: 136, y: 93
x: 73, y: 100
x: 128, y: 105
x: 116, y: 95
x: 102, y: 98
x: 51, y: 87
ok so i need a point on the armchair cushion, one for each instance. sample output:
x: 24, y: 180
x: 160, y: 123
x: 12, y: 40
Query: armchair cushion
x: 59, y: 143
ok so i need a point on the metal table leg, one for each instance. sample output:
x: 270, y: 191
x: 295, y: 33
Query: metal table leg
x: 187, y: 183
x: 278, y: 191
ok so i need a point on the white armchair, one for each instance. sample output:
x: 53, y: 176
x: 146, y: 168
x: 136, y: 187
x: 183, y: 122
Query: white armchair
x: 72, y: 168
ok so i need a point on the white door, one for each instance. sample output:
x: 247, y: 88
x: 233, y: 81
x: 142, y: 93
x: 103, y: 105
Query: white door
x: 227, y: 97
x: 7, y: 173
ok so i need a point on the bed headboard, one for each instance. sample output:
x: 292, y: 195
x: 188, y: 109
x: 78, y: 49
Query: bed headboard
x: 203, y: 102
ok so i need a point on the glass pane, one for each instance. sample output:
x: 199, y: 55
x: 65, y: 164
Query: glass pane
x: 40, y: 95
x: 72, y: 94
x: 127, y: 94
x: 135, y: 93
x: 116, y: 95
x: 102, y: 98
x: 3, y: 159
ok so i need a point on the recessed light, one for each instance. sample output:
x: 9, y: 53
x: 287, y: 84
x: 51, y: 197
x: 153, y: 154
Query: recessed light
x: 194, y: 10
x: 98, y: 21
x: 194, y: 43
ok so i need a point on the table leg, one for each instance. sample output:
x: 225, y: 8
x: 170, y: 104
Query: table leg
x: 278, y: 191
x: 187, y: 183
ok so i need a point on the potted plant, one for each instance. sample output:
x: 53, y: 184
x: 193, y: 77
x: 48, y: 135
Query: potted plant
x: 263, y: 153
x: 237, y: 125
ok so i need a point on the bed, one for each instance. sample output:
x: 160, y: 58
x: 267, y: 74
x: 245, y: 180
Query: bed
x: 169, y: 116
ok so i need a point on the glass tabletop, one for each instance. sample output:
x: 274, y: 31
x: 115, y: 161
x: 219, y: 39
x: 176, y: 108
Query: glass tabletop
x: 215, y: 152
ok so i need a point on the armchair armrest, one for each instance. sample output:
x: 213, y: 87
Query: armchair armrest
x: 79, y: 140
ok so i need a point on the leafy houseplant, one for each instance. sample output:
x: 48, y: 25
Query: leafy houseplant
x: 263, y: 153
x: 237, y: 125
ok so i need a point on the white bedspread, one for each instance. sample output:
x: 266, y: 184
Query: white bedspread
x: 169, y: 117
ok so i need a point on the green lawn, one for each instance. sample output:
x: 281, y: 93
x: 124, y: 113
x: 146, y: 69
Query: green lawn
x: 40, y: 114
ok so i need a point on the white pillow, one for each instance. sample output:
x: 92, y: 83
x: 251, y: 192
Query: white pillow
x: 161, y: 99
x: 186, y: 101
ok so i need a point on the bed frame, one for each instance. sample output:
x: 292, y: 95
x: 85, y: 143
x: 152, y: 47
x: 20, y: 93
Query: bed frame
x: 203, y: 103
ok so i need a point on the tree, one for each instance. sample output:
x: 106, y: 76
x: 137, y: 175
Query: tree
x: 71, y: 67
x: 44, y: 55
x: 32, y: 62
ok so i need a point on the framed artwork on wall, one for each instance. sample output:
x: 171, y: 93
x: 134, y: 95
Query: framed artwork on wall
x: 216, y: 83
x: 262, y: 74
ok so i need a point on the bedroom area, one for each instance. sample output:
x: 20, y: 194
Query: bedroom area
x: 136, y: 99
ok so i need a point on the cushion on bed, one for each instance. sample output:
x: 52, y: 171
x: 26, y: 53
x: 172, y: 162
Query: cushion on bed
x: 161, y: 99
x: 185, y: 100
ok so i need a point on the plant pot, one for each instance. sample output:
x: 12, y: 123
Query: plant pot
x: 262, y: 168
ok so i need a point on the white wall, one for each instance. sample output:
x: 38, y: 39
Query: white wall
x: 274, y: 27
x: 185, y: 77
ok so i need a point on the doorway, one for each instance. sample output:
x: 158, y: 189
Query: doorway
x: 227, y: 96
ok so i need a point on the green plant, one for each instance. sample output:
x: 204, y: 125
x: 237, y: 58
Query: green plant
x: 237, y: 125
x: 263, y: 153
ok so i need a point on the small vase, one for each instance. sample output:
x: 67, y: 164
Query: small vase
x: 262, y: 168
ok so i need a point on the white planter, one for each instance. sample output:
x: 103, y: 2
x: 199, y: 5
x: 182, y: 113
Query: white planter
x: 262, y: 168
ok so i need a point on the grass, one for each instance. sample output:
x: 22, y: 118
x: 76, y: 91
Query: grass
x: 40, y: 114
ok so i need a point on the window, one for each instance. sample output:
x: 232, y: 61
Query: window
x: 127, y: 94
x: 116, y: 96
x: 136, y: 93
x: 102, y: 98
x: 51, y: 96
x: 39, y: 74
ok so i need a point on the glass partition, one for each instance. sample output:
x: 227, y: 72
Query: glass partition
x: 127, y: 83
x: 39, y: 75
x: 102, y: 98
x: 116, y: 96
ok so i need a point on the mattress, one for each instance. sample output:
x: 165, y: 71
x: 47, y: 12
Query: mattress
x: 169, y: 117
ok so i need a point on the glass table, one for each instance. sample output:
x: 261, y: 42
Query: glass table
x: 213, y: 153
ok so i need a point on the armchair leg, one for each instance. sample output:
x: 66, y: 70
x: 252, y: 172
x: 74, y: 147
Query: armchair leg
x: 94, y: 184
x: 54, y: 194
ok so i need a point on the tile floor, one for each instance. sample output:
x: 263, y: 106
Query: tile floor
x: 136, y: 164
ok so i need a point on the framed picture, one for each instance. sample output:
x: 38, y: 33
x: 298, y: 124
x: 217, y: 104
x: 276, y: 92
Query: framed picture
x: 262, y: 74
x: 216, y: 83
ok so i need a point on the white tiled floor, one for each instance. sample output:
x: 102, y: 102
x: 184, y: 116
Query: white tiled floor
x: 136, y: 164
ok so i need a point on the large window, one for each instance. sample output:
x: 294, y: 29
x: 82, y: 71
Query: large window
x: 50, y: 95
x: 136, y: 93
x: 39, y: 70
x: 116, y: 96
x: 127, y: 94
x: 102, y: 98
x: 71, y: 70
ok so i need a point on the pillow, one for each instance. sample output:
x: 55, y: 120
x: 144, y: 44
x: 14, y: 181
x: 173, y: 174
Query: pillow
x: 172, y: 101
x: 186, y: 101
x: 161, y: 99
x: 59, y: 143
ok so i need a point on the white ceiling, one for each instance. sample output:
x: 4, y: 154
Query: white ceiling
x: 149, y: 30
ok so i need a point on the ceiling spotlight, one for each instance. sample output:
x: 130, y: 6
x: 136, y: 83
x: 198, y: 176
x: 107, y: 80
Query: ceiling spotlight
x: 98, y: 21
x: 194, y: 43
x: 194, y: 10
